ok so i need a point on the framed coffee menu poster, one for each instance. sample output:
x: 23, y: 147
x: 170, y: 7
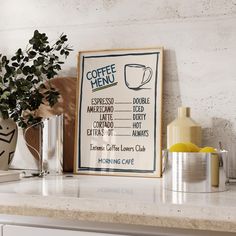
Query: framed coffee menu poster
x: 119, y: 104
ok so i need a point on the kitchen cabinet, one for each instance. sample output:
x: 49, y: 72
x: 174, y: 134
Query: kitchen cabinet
x: 37, y: 226
x: 13, y: 230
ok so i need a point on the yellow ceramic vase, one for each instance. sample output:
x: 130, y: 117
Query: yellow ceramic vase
x: 184, y: 129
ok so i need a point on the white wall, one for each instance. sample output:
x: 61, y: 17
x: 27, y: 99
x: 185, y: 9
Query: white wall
x: 199, y: 37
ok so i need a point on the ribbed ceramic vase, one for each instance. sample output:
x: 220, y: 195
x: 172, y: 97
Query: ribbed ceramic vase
x: 8, y: 139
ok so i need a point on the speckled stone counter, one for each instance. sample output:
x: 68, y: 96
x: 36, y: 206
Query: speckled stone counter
x: 123, y: 200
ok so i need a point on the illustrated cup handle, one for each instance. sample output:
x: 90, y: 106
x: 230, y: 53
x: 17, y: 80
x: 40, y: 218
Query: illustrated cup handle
x: 148, y: 77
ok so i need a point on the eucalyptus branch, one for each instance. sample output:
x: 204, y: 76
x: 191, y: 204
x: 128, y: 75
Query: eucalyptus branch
x: 26, y: 78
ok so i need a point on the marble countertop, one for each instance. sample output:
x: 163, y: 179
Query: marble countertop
x: 139, y: 201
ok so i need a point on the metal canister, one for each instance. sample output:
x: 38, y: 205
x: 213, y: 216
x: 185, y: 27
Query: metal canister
x: 195, y: 171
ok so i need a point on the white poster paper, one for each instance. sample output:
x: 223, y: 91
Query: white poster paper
x: 119, y: 112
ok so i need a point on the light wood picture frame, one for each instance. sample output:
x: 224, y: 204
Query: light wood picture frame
x: 119, y: 112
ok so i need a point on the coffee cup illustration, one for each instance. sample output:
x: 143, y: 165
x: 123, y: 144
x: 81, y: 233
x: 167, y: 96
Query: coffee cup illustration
x: 137, y: 75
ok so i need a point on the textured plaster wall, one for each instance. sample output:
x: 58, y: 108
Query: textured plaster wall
x: 199, y: 37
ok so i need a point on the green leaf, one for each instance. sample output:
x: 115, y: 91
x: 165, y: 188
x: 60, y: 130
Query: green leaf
x: 37, y: 72
x: 19, y: 52
x: 5, y: 95
x: 58, y: 48
x: 52, y: 96
x: 4, y: 59
x: 36, y: 34
x: 22, y: 124
x: 48, y: 49
x: 26, y: 70
x: 15, y: 64
x: 57, y: 67
x: 26, y: 59
x: 64, y: 38
x: 35, y: 81
x: 5, y: 115
x: 32, y: 54
x: 42, y: 86
x: 41, y: 60
x: 24, y: 105
x: 29, y: 77
x: 18, y: 71
x: 43, y: 70
x: 32, y: 69
x: 11, y: 84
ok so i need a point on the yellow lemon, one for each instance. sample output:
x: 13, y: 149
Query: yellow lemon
x: 179, y: 147
x: 208, y: 149
x: 192, y: 147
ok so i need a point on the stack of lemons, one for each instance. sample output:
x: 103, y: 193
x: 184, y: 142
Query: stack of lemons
x: 190, y: 147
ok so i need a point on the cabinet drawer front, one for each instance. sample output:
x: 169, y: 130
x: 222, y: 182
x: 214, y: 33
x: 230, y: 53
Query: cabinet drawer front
x: 11, y: 230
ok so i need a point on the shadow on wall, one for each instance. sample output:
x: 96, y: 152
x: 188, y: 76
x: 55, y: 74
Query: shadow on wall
x: 71, y: 71
x: 222, y: 131
x: 171, y: 92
